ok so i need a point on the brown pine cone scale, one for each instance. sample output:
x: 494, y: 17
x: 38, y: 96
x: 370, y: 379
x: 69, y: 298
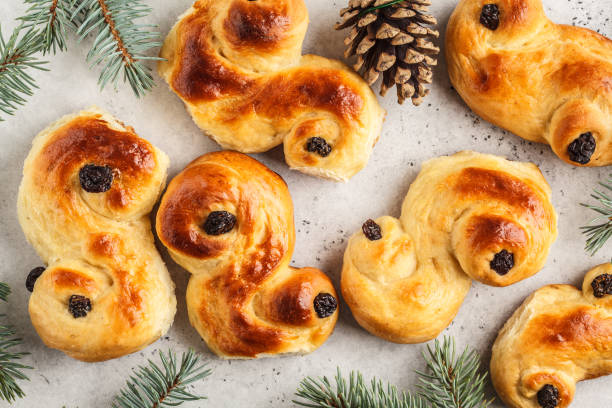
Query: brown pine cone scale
x: 393, y: 39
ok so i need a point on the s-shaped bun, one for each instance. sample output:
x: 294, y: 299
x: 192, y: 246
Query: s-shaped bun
x: 89, y: 184
x: 228, y: 220
x: 237, y: 65
x: 466, y: 216
x: 559, y: 336
x: 545, y: 82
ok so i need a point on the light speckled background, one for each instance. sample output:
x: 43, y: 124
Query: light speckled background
x: 325, y: 214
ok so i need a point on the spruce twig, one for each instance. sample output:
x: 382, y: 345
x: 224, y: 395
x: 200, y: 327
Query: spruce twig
x: 450, y: 382
x: 54, y: 18
x: 599, y: 230
x: 120, y: 45
x: 165, y: 385
x: 10, y: 370
x: 16, y: 60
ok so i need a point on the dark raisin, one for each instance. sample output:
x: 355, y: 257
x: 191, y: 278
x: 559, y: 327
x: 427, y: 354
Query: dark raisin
x: 602, y: 285
x: 548, y: 396
x: 96, y: 179
x: 318, y: 145
x: 33, y: 276
x: 325, y: 305
x: 219, y: 222
x: 79, y: 306
x: 371, y: 230
x: 489, y: 17
x: 581, y: 149
x: 502, y: 262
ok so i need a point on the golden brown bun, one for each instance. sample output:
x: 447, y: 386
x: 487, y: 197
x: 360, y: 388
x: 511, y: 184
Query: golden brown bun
x: 238, y: 67
x: 243, y: 298
x: 461, y: 213
x: 545, y: 82
x: 97, y: 245
x: 559, y: 336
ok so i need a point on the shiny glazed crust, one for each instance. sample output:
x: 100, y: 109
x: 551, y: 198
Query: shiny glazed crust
x: 243, y: 298
x: 238, y: 67
x: 545, y: 82
x: 559, y: 336
x: 459, y: 212
x: 97, y: 245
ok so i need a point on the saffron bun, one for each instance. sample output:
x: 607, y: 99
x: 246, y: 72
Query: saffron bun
x: 466, y: 216
x: 89, y: 184
x: 228, y: 220
x: 238, y: 67
x: 545, y: 82
x: 559, y: 336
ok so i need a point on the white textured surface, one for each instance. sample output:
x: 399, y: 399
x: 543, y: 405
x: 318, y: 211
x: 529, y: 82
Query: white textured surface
x: 326, y: 214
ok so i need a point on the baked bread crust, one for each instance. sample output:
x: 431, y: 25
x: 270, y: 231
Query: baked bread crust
x: 96, y: 245
x: 560, y: 335
x: 544, y: 82
x: 243, y: 298
x: 460, y: 212
x: 238, y: 67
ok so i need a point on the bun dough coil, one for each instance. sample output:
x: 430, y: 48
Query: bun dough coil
x: 228, y: 220
x: 466, y: 216
x: 559, y: 336
x: 89, y: 184
x: 542, y: 81
x: 238, y: 67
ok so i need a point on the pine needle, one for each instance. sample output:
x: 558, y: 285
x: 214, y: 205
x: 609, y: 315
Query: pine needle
x: 16, y: 60
x: 450, y: 382
x: 120, y: 45
x: 600, y: 229
x: 54, y: 18
x: 10, y: 370
x: 153, y: 386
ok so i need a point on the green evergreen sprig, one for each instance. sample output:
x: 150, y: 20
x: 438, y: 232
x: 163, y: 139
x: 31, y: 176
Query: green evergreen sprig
x: 11, y: 371
x: 120, y: 44
x: 17, y: 58
x: 451, y: 381
x: 153, y: 386
x: 53, y: 18
x: 599, y: 230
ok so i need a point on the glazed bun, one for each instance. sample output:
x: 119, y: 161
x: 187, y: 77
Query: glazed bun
x: 237, y: 66
x: 89, y: 184
x: 228, y: 220
x: 466, y: 216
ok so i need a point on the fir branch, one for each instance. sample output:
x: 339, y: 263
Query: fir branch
x: 154, y: 386
x: 353, y: 394
x: 120, y: 45
x: 16, y: 59
x: 451, y: 382
x: 10, y: 370
x: 600, y: 228
x: 54, y: 17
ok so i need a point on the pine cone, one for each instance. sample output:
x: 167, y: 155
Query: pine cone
x: 394, y: 40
